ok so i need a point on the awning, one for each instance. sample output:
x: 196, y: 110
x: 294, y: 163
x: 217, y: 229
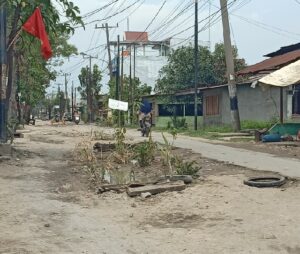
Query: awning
x: 286, y: 76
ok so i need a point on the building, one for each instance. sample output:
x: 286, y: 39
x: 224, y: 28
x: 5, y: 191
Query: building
x: 256, y: 102
x: 142, y: 56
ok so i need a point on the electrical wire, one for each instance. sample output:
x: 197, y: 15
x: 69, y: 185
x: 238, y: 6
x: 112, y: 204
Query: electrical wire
x: 172, y: 20
x: 91, y: 13
x: 181, y: 23
x: 267, y: 27
x: 110, y: 16
x: 152, y: 20
x: 206, y: 26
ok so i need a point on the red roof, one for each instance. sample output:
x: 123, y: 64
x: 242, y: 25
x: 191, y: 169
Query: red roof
x: 136, y: 36
x: 272, y: 63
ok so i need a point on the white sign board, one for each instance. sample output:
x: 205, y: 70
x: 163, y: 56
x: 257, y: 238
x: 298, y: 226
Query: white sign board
x: 120, y: 105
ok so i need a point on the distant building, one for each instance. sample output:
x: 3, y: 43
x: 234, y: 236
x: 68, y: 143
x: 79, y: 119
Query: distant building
x: 145, y: 57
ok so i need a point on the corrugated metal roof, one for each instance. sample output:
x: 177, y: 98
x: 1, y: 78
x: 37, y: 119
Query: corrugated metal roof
x: 284, y: 50
x: 136, y: 36
x: 286, y: 76
x: 272, y: 64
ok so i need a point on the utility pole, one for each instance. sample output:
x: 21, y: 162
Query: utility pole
x: 106, y: 27
x: 122, y: 72
x: 134, y: 59
x: 209, y: 24
x: 118, y: 78
x: 60, y: 101
x: 75, y: 99
x: 133, y: 84
x: 196, y: 68
x: 235, y: 117
x: 66, y: 91
x: 89, y: 94
x: 131, y: 88
x: 72, y: 99
x: 3, y: 64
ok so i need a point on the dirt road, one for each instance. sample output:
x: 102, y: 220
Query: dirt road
x: 46, y: 206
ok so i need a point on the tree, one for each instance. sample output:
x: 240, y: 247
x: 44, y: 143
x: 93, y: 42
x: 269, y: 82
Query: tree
x: 28, y: 73
x: 95, y: 89
x: 179, y: 72
x: 131, y: 92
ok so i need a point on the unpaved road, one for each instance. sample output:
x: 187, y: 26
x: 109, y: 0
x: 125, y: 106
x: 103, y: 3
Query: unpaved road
x: 46, y: 207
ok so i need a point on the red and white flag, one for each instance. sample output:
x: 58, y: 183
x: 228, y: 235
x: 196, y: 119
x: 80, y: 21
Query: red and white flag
x: 36, y: 27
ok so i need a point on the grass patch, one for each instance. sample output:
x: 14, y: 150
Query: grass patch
x: 257, y: 125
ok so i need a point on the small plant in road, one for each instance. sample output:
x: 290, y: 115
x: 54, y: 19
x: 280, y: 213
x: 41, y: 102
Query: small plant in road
x: 185, y: 167
x: 123, y: 152
x: 145, y: 152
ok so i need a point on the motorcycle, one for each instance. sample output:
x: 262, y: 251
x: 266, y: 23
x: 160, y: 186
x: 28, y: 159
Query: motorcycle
x: 56, y: 118
x: 146, y: 126
x: 77, y: 119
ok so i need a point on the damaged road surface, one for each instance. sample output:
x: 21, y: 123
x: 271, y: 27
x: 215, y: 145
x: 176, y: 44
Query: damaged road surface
x: 48, y: 206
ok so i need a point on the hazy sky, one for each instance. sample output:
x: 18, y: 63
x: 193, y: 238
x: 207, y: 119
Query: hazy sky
x: 257, y: 27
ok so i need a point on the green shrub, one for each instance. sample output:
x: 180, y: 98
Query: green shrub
x: 185, y: 167
x: 177, y: 122
x: 145, y: 152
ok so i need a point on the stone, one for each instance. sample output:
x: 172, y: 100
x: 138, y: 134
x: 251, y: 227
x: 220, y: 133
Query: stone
x: 146, y: 195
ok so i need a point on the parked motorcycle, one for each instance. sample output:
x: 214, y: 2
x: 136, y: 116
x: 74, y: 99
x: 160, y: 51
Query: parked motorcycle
x: 56, y: 118
x: 77, y: 119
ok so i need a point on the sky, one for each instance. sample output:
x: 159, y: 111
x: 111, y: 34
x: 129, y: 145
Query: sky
x: 257, y: 27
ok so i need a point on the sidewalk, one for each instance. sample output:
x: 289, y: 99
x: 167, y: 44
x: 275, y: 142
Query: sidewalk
x: 254, y: 160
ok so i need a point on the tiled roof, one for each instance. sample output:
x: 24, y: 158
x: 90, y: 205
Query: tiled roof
x: 272, y: 63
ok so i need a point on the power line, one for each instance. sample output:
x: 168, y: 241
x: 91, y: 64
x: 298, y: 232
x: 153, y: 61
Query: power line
x: 91, y: 13
x: 171, y: 21
x: 112, y: 15
x: 132, y: 12
x: 267, y: 27
x: 151, y: 22
x: 207, y: 25
x: 181, y: 23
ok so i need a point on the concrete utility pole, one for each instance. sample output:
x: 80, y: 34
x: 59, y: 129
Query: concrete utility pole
x: 3, y: 64
x: 235, y: 117
x: 134, y: 60
x: 89, y: 94
x: 72, y: 99
x: 196, y: 68
x: 122, y: 73
x: 131, y: 88
x: 118, y: 70
x: 106, y: 27
x: 66, y: 91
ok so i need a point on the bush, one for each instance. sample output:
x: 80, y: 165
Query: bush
x: 144, y: 152
x: 177, y: 122
x: 186, y: 167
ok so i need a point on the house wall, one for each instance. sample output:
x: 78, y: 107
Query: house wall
x: 255, y: 104
x: 222, y: 117
x: 261, y: 104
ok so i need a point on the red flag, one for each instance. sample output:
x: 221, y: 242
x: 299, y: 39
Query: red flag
x: 35, y: 26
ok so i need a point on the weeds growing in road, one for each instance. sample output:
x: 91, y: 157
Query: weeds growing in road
x: 145, y: 152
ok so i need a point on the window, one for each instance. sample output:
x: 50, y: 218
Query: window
x: 212, y: 105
